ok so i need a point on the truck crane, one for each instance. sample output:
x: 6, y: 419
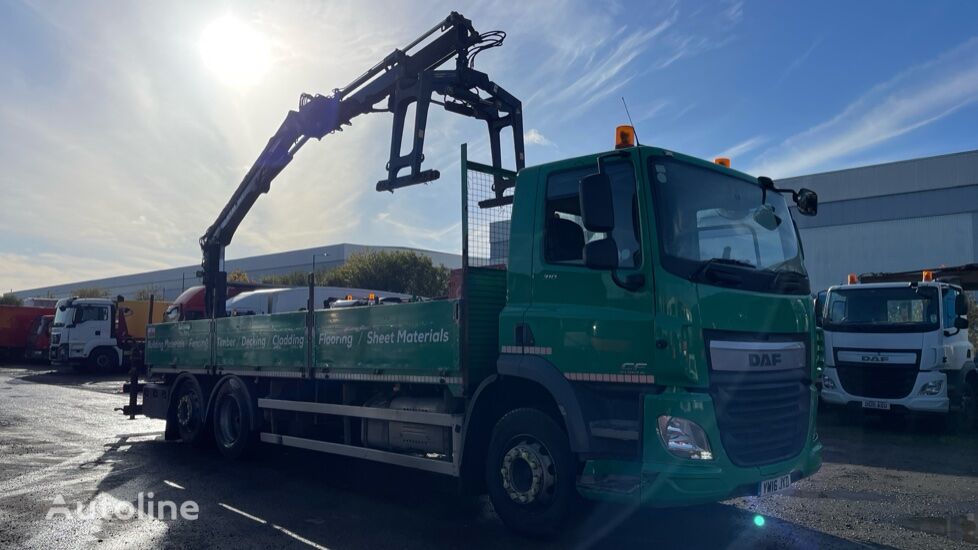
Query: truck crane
x: 407, y: 77
x: 632, y: 325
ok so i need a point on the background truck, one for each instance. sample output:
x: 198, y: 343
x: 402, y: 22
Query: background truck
x: 189, y: 305
x: 15, y: 328
x: 39, y: 339
x: 648, y: 339
x: 101, y: 334
x: 900, y: 342
x: 282, y: 300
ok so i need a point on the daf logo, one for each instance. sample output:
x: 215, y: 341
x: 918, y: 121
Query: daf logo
x: 875, y: 358
x: 764, y: 359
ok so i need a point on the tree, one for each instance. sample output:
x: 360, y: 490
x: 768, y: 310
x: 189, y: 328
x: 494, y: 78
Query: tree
x: 144, y: 293
x: 296, y: 278
x: 10, y: 299
x: 91, y: 292
x: 238, y: 276
x: 402, y: 271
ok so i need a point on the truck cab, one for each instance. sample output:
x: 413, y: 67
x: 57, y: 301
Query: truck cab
x: 899, y: 346
x: 83, y: 334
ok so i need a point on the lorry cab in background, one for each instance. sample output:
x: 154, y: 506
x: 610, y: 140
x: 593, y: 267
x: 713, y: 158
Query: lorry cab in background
x: 900, y: 346
x: 39, y: 339
x: 84, y: 333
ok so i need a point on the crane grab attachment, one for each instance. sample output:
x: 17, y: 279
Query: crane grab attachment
x: 407, y: 77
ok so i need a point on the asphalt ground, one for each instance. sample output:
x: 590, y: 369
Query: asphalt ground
x: 67, y: 460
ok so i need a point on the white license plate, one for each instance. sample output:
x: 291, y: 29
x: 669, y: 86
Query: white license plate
x: 769, y: 486
x: 879, y: 405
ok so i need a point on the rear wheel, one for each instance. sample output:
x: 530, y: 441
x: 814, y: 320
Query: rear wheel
x: 189, y: 412
x: 531, y: 473
x: 234, y: 416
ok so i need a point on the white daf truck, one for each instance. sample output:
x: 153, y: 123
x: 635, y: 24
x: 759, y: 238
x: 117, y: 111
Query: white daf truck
x: 900, y: 346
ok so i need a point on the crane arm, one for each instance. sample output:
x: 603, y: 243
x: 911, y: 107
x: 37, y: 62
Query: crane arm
x: 405, y: 78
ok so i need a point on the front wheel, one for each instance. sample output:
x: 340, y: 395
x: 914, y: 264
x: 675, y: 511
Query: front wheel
x: 104, y: 360
x: 965, y: 418
x: 531, y: 473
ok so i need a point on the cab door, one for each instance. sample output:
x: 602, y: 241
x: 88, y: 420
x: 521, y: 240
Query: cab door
x: 90, y: 328
x: 579, y: 318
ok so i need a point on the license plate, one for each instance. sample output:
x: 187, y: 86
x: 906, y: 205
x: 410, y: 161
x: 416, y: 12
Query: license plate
x: 879, y: 405
x: 769, y: 486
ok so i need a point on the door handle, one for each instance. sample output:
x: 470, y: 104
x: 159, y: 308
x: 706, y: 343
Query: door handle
x: 662, y: 343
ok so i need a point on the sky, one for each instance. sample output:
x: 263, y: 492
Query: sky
x: 125, y: 127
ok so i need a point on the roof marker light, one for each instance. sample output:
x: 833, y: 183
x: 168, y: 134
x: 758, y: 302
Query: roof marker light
x: 853, y: 279
x: 624, y: 137
x: 722, y: 161
x: 928, y: 276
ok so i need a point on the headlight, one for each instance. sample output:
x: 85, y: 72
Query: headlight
x: 684, y: 438
x: 932, y: 388
x: 827, y: 383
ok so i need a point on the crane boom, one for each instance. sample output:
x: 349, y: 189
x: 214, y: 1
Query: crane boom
x: 406, y: 77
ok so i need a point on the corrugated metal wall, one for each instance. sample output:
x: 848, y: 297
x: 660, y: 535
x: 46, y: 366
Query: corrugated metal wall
x: 894, y: 245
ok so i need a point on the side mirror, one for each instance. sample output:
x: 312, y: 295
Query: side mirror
x: 601, y: 254
x: 597, y: 210
x: 807, y: 201
x: 961, y: 305
x: 960, y: 323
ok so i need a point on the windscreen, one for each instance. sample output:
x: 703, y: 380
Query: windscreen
x: 63, y: 317
x: 705, y: 216
x: 898, y: 309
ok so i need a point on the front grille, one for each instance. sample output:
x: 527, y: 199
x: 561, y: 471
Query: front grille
x: 881, y: 382
x: 763, y: 414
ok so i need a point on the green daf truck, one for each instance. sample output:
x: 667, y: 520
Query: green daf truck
x: 633, y: 325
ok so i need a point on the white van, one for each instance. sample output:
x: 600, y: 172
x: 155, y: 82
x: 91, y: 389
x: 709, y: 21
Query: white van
x: 282, y: 300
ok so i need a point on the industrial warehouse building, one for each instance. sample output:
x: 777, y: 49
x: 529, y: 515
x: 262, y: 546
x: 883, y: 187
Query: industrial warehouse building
x: 897, y: 216
x: 169, y: 283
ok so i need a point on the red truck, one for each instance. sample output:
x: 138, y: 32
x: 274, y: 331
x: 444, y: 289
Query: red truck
x: 39, y: 339
x: 189, y: 305
x: 15, y: 328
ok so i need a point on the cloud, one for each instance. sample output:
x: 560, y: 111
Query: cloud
x: 798, y: 61
x: 743, y: 147
x: 913, y: 99
x: 535, y: 137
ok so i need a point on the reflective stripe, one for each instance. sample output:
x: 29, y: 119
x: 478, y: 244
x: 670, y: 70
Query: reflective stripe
x: 527, y: 350
x: 612, y: 378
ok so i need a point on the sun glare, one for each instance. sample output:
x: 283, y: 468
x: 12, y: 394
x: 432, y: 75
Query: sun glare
x: 235, y: 53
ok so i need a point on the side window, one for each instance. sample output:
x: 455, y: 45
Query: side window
x: 564, y: 233
x: 91, y: 313
x: 948, y: 298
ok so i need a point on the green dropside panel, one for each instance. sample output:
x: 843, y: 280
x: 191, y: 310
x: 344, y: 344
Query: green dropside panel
x: 388, y: 342
x: 270, y: 342
x: 185, y: 345
x: 418, y: 339
x: 486, y: 294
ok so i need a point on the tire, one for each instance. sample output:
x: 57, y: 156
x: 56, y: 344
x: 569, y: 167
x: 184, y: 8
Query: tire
x: 189, y: 412
x: 103, y: 360
x: 531, y: 473
x: 233, y: 416
x: 965, y: 418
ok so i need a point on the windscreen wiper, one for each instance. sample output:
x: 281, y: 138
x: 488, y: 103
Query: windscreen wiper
x: 708, y: 264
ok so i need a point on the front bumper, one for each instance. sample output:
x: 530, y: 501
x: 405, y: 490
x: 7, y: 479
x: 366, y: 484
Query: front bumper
x: 912, y: 402
x: 663, y: 480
